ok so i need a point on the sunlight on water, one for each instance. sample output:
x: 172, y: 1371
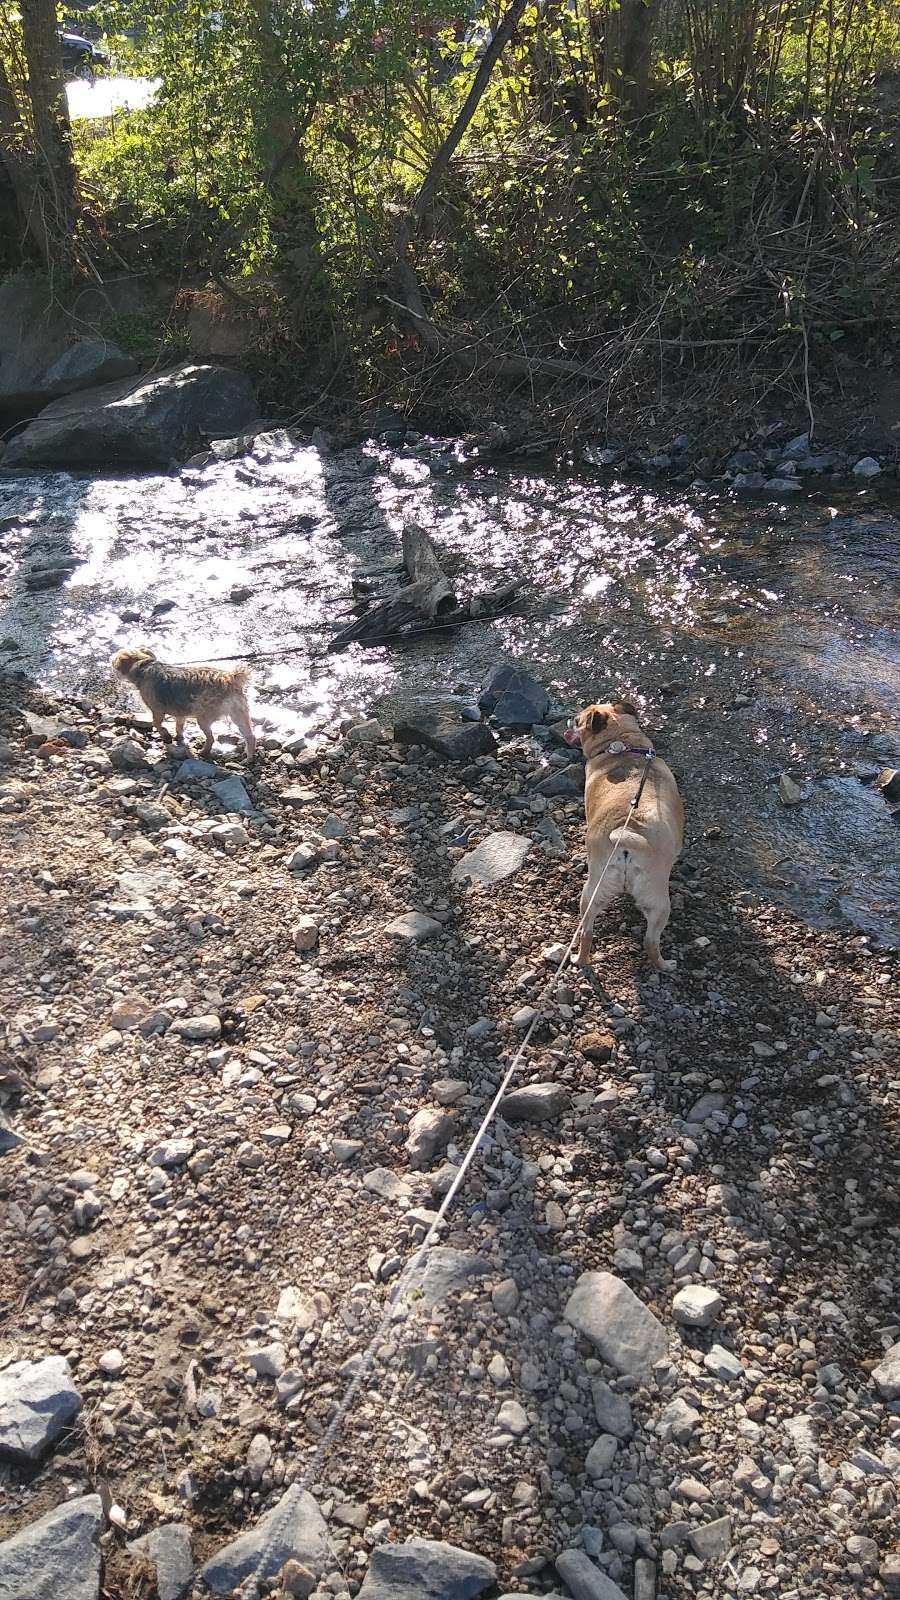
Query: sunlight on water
x: 88, y: 102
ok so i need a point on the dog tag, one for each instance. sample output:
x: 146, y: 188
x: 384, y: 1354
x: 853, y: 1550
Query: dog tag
x: 616, y: 748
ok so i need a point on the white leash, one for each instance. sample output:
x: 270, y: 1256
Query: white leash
x: 314, y: 1466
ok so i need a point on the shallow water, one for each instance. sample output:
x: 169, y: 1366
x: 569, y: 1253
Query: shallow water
x: 689, y: 601
x: 89, y: 102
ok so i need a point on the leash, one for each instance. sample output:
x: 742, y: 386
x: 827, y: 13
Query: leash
x: 407, y: 1277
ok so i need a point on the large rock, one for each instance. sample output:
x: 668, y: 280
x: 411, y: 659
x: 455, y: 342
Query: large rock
x: 535, y: 1102
x: 457, y: 741
x: 56, y: 1558
x: 425, y: 1569
x: 37, y: 1401
x: 140, y: 422
x: 169, y: 1548
x: 586, y: 1581
x: 294, y: 1528
x: 624, y: 1331
x: 495, y: 858
x: 39, y: 357
x: 514, y: 698
x: 445, y: 1271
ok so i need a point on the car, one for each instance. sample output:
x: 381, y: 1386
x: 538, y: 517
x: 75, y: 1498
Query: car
x: 80, y: 58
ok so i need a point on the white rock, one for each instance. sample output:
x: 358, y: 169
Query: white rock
x: 112, y: 1363
x: 206, y: 1027
x: 495, y: 858
x: 887, y: 1374
x: 512, y: 1418
x: 268, y: 1361
x: 306, y: 934
x: 413, y: 926
x: 695, y: 1306
x: 259, y: 1456
x: 623, y: 1329
x: 38, y: 1399
x: 429, y: 1131
x: 723, y: 1364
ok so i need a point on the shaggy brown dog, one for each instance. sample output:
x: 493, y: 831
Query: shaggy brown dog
x: 641, y: 846
x: 204, y: 693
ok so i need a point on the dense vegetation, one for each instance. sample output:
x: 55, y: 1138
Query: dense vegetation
x: 563, y: 189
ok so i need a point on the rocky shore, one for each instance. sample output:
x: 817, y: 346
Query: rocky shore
x: 254, y: 1016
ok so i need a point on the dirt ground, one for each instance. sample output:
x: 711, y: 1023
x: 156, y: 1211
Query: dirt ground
x: 741, y: 1134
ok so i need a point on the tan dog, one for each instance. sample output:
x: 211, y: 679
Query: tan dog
x: 642, y: 845
x: 204, y: 693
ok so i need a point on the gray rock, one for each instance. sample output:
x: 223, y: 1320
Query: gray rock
x: 796, y: 448
x: 644, y: 1579
x: 696, y: 1306
x: 457, y: 741
x: 514, y: 698
x: 146, y: 421
x: 57, y: 1557
x: 425, y: 1569
x: 84, y: 364
x: 601, y: 1455
x: 586, y: 1581
x: 171, y: 1153
x: 618, y: 1324
x: 505, y: 1297
x: 783, y: 485
x: 678, y: 1421
x: 169, y: 1548
x: 208, y: 1027
x: 613, y: 1411
x: 723, y: 1364
x: 535, y: 1102
x: 293, y: 1529
x: 867, y: 467
x: 413, y: 926
x: 495, y: 858
x: 429, y: 1131
x: 706, y: 1106
x: 711, y: 1541
x: 887, y: 1374
x: 38, y: 360
x: 188, y: 771
x: 369, y: 731
x: 746, y: 482
x: 232, y: 795
x: 306, y: 934
x: 126, y: 755
x: 565, y: 785
x: 512, y: 1418
x: 38, y: 1399
x: 803, y: 1435
x: 445, y: 1271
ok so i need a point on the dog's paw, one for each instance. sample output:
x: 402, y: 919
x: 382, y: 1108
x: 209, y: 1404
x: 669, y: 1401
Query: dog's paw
x: 666, y: 966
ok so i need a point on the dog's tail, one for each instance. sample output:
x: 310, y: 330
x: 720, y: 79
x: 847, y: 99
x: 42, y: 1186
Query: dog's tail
x: 626, y: 840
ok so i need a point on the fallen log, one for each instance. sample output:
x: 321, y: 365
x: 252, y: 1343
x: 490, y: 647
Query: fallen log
x: 424, y: 605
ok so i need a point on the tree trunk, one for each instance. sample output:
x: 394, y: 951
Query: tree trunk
x: 50, y: 126
x: 629, y: 51
x: 18, y: 161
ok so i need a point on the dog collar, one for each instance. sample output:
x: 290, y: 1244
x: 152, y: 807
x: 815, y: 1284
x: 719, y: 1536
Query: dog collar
x: 617, y: 748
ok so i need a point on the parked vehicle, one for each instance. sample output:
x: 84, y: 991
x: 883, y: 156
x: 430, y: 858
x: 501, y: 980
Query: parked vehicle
x: 80, y: 58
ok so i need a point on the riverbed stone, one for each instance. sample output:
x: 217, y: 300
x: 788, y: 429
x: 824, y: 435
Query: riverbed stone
x: 696, y: 1306
x: 513, y: 697
x: 169, y: 1548
x: 426, y: 1569
x: 887, y: 1374
x: 38, y: 1399
x: 618, y: 1324
x: 535, y: 1102
x: 413, y: 927
x: 495, y: 858
x: 584, y: 1579
x: 146, y: 421
x: 293, y: 1529
x: 445, y: 1271
x: 456, y: 741
x: 57, y: 1556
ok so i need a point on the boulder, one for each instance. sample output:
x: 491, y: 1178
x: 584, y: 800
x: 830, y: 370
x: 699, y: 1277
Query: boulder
x: 136, y: 422
x: 37, y: 1401
x: 39, y: 358
x: 59, y: 1555
x: 293, y: 1529
x: 618, y: 1324
x: 426, y: 1569
x: 514, y: 698
x: 457, y: 741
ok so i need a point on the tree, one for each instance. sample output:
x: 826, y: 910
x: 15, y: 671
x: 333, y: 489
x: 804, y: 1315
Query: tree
x: 34, y: 134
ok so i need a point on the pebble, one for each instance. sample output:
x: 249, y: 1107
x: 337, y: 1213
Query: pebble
x: 112, y: 1363
x: 601, y: 1455
x: 306, y: 934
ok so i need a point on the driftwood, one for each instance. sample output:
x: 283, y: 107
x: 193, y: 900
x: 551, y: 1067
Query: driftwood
x: 425, y: 604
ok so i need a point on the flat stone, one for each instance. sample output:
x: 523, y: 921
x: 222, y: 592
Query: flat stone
x: 706, y: 1106
x: 695, y: 1306
x: 618, y: 1324
x: 456, y: 741
x: 268, y: 1361
x: 613, y: 1411
x: 887, y: 1374
x: 535, y: 1102
x: 565, y: 785
x: 387, y: 1185
x: 297, y: 1307
x: 445, y: 1271
x: 294, y: 1529
x: 712, y: 1540
x: 413, y: 926
x: 514, y: 697
x: 57, y: 1557
x: 583, y: 1579
x: 495, y: 858
x: 367, y: 732
x: 38, y: 1400
x: 232, y: 795
x: 188, y: 771
x: 425, y: 1569
x: 208, y: 1027
x: 169, y: 1548
x: 723, y: 1364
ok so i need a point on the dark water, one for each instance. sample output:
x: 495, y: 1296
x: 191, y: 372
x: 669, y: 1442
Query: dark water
x: 759, y: 637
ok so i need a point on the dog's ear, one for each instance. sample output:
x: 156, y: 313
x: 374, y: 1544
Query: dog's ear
x: 596, y: 721
x: 625, y: 708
